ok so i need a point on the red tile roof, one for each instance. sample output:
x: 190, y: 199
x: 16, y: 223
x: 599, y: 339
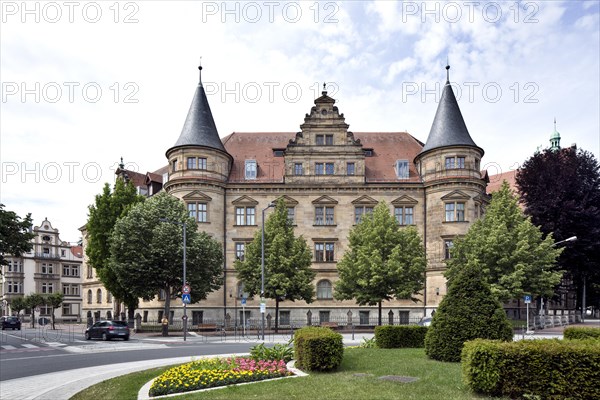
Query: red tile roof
x: 77, y: 251
x: 387, y: 148
x: 496, y: 181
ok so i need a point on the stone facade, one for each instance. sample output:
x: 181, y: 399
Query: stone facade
x: 328, y: 176
x: 52, y: 266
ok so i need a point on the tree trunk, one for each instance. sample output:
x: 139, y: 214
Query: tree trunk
x: 52, y: 318
x: 276, y: 314
x: 168, y: 306
x: 32, y: 318
x: 379, y: 316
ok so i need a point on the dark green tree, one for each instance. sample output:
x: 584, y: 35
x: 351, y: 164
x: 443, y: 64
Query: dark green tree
x: 103, y: 214
x: 288, y: 259
x: 468, y: 311
x: 383, y: 261
x: 54, y: 300
x: 147, y: 254
x: 15, y: 234
x: 17, y: 304
x: 510, y: 250
x: 561, y: 193
x: 33, y: 301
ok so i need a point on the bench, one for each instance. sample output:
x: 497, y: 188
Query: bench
x: 207, y: 327
x: 331, y: 325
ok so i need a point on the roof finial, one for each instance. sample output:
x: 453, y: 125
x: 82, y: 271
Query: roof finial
x: 447, y: 74
x: 554, y: 124
x: 200, y: 73
x: 122, y: 166
x: 324, y: 92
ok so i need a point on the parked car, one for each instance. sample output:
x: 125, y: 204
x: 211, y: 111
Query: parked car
x: 11, y: 323
x: 107, y: 330
x: 425, y: 321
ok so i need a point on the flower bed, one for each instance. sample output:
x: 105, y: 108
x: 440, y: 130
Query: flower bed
x: 215, y: 372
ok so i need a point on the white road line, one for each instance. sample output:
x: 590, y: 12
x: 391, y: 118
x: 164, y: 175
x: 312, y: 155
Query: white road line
x: 30, y: 346
x: 8, y: 347
x: 55, y: 344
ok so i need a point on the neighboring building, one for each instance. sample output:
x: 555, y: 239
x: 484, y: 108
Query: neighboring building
x: 51, y: 266
x: 329, y: 177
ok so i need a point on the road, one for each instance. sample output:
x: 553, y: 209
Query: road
x: 30, y: 352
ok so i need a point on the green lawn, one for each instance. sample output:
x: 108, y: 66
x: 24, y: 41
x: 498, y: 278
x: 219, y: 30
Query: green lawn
x: 437, y: 380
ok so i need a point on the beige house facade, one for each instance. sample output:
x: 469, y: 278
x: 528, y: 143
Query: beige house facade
x: 328, y: 177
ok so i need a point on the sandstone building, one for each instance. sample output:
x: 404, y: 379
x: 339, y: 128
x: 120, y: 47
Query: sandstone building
x: 328, y: 177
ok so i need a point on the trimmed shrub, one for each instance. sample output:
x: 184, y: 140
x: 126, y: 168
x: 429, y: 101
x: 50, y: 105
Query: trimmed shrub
x: 396, y: 336
x: 318, y: 349
x: 469, y: 311
x: 573, y: 332
x: 548, y: 368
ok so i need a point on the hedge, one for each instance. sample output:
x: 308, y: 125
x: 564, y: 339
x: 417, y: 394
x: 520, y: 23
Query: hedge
x: 396, y: 336
x: 318, y: 349
x: 573, y: 332
x: 548, y: 368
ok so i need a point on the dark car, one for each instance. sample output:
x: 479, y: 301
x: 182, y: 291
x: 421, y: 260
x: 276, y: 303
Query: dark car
x: 107, y: 330
x: 11, y: 323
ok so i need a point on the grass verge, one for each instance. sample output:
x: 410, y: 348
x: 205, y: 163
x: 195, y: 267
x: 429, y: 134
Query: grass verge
x: 437, y: 380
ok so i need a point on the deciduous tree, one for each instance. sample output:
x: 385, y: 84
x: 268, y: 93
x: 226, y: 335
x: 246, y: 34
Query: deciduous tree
x: 510, y: 251
x: 15, y: 234
x: 147, y: 254
x: 383, y: 261
x: 54, y: 300
x: 103, y: 214
x: 288, y: 273
x: 561, y: 193
x: 33, y: 301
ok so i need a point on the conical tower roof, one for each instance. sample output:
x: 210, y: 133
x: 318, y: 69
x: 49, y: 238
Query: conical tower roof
x: 199, y: 128
x: 448, y: 128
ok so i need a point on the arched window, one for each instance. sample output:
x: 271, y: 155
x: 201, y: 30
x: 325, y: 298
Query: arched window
x: 324, y: 290
x: 89, y: 297
x: 108, y: 297
x: 99, y: 296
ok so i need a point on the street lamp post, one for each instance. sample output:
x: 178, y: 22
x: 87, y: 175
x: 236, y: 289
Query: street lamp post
x: 184, y: 270
x: 262, y: 271
x: 570, y: 239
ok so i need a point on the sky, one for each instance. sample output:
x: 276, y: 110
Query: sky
x: 85, y: 83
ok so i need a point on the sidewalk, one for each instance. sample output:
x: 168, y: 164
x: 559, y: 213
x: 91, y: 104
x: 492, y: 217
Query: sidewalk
x: 64, y: 384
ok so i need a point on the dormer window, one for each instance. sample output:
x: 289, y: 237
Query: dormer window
x: 250, y: 169
x: 368, y: 152
x: 277, y: 153
x: 401, y: 167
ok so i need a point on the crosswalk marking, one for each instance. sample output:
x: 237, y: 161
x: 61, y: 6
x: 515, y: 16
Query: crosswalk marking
x: 30, y: 346
x: 55, y: 344
x: 8, y: 347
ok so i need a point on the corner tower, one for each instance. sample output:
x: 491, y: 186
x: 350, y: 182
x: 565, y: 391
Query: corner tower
x: 199, y: 166
x: 454, y: 189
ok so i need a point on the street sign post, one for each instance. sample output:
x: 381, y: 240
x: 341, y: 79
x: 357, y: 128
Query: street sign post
x: 244, y: 315
x: 527, y: 299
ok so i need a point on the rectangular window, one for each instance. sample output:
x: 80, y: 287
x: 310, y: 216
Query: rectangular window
x: 250, y: 216
x: 47, y: 287
x: 368, y: 152
x: 291, y: 211
x: 45, y: 310
x: 324, y: 215
x: 319, y: 169
x: 350, y: 168
x: 324, y: 252
x: 323, y: 316
x: 455, y: 212
x: 329, y: 169
x: 202, y: 163
x: 404, y: 317
x: 404, y: 215
x: 192, y: 211
x: 174, y: 166
x: 320, y: 140
x: 240, y: 250
x: 240, y: 213
x: 197, y: 317
x: 66, y: 309
x: 198, y: 211
x: 449, y: 212
x: 460, y: 162
x: 402, y: 171
x: 15, y: 287
x: 66, y: 270
x: 447, y: 246
x: 359, y: 211
x: 250, y: 170
x: 191, y: 163
x: 298, y: 170
x: 63, y: 253
x: 450, y: 163
x: 363, y: 317
x: 47, y: 268
x: 245, y: 216
x: 284, y: 317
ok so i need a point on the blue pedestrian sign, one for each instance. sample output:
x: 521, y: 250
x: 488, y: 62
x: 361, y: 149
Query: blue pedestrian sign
x: 186, y: 298
x: 243, y: 301
x: 527, y: 298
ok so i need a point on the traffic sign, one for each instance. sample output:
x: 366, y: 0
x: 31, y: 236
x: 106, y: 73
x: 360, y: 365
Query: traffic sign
x: 263, y: 308
x: 186, y: 289
x: 527, y: 298
x: 243, y: 301
x: 186, y: 298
